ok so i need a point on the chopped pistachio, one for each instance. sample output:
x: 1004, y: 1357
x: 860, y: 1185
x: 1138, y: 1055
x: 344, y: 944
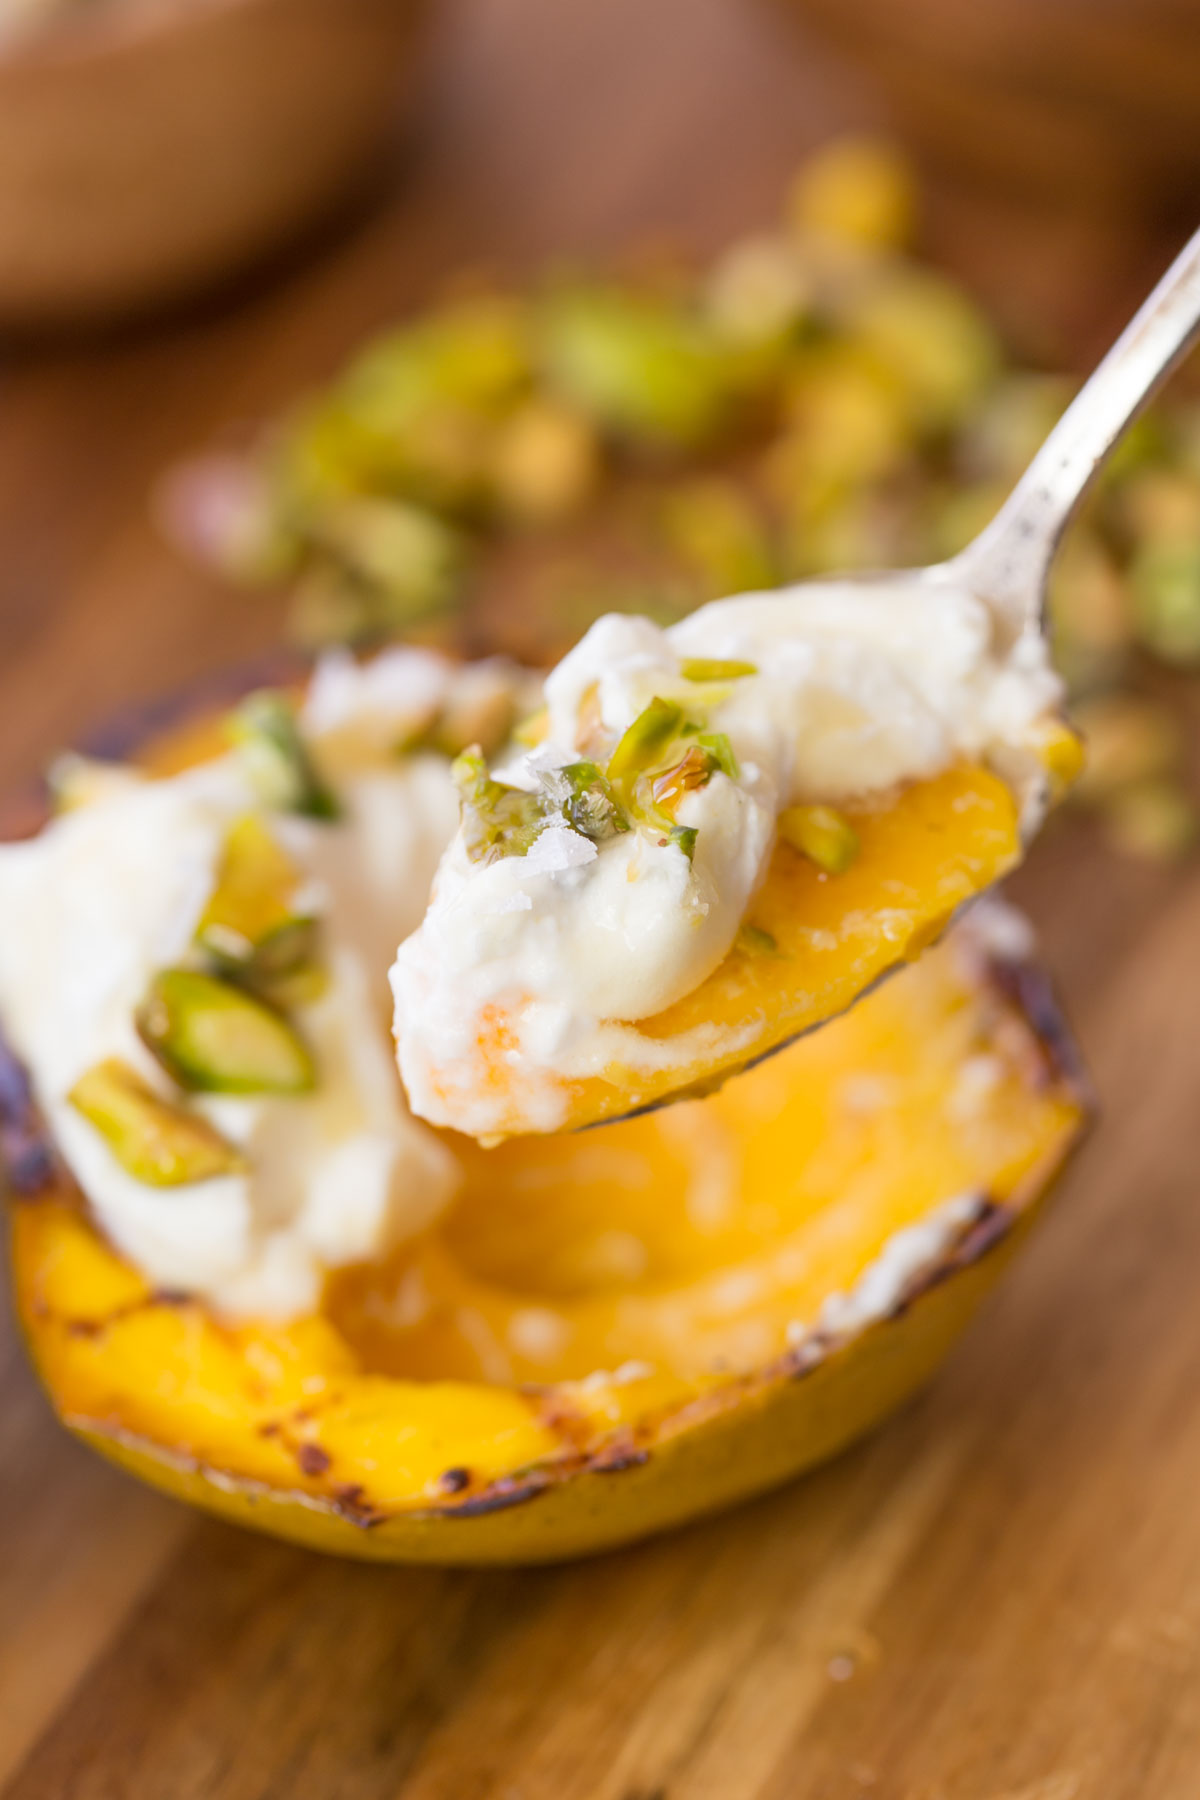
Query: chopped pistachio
x: 822, y: 834
x: 684, y: 838
x: 214, y: 1037
x: 639, y: 366
x: 1165, y: 583
x: 858, y: 190
x: 646, y: 740
x: 719, y: 751
x: 760, y: 291
x: 411, y: 559
x: 545, y: 463
x: 265, y: 729
x: 496, y: 820
x: 473, y: 353
x: 847, y: 424
x: 251, y: 922
x: 331, y: 607
x: 301, y: 985
x: 591, y: 808
x: 156, y: 1141
x: 322, y: 453
x: 1129, y: 741
x: 752, y: 940
x: 715, y: 668
x: 719, y: 535
x: 1153, y: 820
x: 1160, y: 503
x: 931, y: 339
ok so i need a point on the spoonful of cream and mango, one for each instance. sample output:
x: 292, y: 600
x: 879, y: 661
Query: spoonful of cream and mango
x: 717, y: 836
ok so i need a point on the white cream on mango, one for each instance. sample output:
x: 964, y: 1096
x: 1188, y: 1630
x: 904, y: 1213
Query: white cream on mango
x: 110, y: 894
x: 852, y: 692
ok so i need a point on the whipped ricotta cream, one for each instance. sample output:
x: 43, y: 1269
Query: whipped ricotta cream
x: 846, y: 692
x: 110, y: 894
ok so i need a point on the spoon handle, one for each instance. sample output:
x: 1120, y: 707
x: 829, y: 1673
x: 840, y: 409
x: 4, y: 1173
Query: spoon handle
x: 1009, y: 562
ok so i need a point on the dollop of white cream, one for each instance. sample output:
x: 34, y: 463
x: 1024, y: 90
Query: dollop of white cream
x: 110, y: 894
x: 855, y: 690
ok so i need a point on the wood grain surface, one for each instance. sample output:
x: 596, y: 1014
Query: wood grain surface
x: 998, y: 1598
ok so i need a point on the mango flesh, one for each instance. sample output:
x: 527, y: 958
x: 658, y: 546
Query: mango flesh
x: 604, y: 1335
x: 689, y: 1241
x: 922, y: 854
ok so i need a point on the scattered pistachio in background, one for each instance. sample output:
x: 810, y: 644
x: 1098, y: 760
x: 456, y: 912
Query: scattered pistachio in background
x: 817, y: 399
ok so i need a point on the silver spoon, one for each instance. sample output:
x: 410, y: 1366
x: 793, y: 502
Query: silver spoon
x: 1008, y: 565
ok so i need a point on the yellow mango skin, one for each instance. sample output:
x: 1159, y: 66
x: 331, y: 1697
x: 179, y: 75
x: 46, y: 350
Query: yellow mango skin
x: 761, y: 1434
x: 398, y: 1446
x: 923, y: 853
x: 317, y: 1433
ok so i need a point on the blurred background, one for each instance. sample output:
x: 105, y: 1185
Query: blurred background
x: 334, y: 320
x: 209, y: 208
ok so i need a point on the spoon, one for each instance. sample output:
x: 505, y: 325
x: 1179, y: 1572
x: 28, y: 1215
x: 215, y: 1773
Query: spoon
x: 1009, y: 563
x: 934, y: 848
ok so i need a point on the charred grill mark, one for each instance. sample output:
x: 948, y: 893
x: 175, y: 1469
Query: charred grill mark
x: 616, y: 1457
x: 25, y: 1145
x: 510, y: 1490
x: 990, y: 1227
x: 95, y: 1328
x: 313, y: 1459
x: 1029, y: 993
x: 350, y: 1503
x: 807, y: 1356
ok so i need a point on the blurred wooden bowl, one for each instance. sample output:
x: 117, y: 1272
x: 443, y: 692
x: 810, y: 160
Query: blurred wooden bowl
x: 1091, y: 102
x: 149, y: 148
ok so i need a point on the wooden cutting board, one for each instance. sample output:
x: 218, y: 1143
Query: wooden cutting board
x: 998, y: 1598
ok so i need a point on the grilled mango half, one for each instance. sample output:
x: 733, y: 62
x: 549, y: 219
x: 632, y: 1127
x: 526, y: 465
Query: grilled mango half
x: 608, y: 1333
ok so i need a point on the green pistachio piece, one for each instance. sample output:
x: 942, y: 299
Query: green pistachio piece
x: 412, y: 415
x: 251, y: 922
x: 931, y: 338
x: 752, y: 940
x: 591, y: 808
x: 158, y: 1142
x: 545, y: 463
x: 822, y: 834
x: 715, y: 530
x: 719, y: 751
x: 1155, y: 821
x: 496, y: 820
x: 645, y: 741
x: 684, y: 838
x: 1165, y: 583
x: 214, y: 1037
x: 472, y: 354
x: 858, y: 191
x: 638, y: 365
x: 277, y: 760
x: 408, y: 558
x: 715, y: 668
